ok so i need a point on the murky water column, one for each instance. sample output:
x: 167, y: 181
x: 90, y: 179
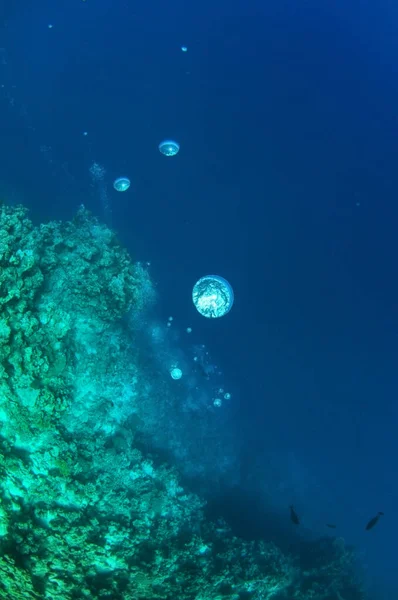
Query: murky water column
x: 98, y: 173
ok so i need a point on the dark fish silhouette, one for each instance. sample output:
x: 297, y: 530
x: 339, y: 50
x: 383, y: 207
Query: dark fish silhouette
x: 330, y: 525
x: 373, y: 521
x: 294, y: 516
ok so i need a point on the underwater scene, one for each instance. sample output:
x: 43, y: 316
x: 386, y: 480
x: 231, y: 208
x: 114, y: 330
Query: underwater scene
x: 198, y: 300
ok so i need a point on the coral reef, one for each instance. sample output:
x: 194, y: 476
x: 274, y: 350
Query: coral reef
x: 84, y: 511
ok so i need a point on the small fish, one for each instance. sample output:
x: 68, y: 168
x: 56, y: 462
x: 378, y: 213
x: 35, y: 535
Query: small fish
x: 330, y: 525
x: 373, y: 521
x: 294, y: 516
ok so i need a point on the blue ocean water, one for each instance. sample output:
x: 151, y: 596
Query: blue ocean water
x: 285, y: 184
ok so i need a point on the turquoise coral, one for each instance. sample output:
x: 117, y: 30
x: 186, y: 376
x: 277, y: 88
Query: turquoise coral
x: 83, y: 512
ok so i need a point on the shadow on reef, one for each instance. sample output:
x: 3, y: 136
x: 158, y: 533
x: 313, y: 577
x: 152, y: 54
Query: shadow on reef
x: 325, y: 564
x: 321, y: 562
x: 249, y: 518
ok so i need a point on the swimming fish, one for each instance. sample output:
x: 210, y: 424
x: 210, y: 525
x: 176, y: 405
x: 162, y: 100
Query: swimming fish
x: 294, y: 516
x: 373, y: 521
x: 330, y: 525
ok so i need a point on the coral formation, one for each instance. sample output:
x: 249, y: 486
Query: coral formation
x: 84, y: 511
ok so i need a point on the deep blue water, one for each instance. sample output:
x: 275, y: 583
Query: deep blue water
x: 286, y: 184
